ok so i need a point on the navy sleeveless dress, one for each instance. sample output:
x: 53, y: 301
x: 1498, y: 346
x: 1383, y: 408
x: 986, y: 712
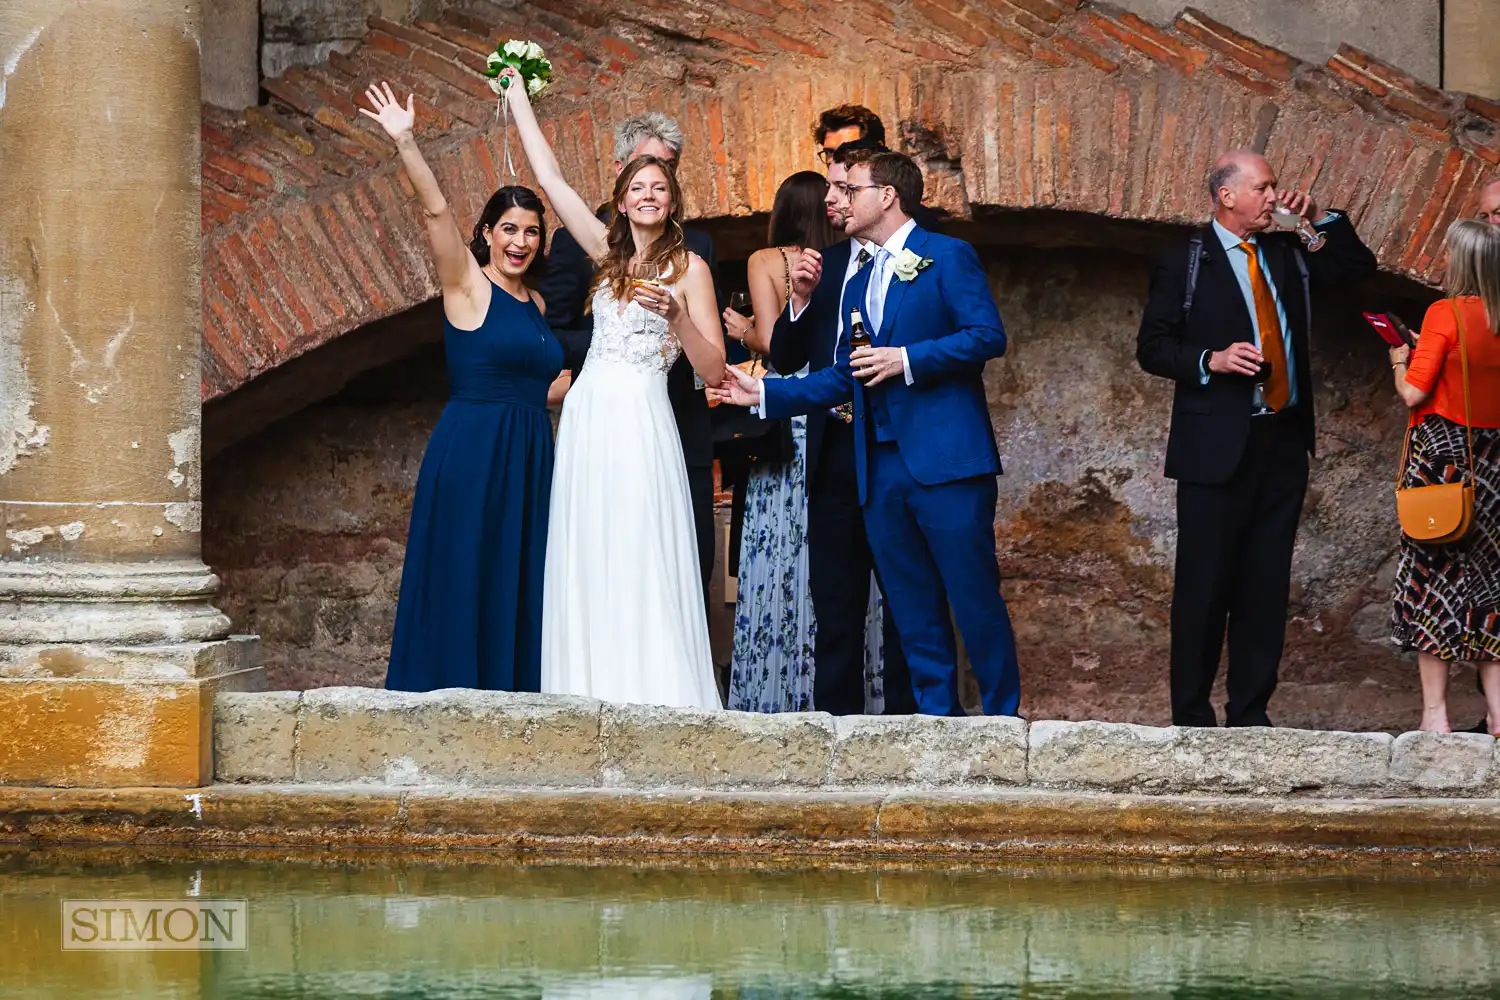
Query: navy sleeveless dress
x: 470, y: 610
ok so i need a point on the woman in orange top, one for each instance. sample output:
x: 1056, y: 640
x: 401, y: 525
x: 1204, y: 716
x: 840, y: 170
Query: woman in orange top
x: 1447, y: 604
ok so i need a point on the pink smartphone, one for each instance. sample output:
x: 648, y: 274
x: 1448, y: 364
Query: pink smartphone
x: 1390, y: 328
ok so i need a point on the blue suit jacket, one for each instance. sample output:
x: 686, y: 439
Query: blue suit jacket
x: 946, y: 319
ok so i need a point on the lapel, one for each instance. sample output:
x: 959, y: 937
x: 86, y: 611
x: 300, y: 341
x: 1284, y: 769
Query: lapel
x: 854, y: 298
x: 1221, y: 272
x: 855, y: 294
x: 916, y: 242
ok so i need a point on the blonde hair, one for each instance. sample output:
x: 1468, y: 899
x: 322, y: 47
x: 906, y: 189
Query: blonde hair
x: 1474, y: 265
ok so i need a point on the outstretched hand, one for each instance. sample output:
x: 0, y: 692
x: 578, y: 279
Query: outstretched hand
x: 396, y: 120
x: 737, y: 389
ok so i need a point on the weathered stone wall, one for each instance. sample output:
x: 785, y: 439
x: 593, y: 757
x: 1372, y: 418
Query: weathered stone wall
x: 306, y: 521
x: 304, y: 32
x: 1403, y: 32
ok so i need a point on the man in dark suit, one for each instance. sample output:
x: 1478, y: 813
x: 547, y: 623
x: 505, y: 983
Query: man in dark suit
x: 565, y: 289
x: 839, y: 561
x: 1241, y: 434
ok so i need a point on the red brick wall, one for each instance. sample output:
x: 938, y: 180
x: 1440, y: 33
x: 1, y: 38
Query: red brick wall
x: 309, y: 231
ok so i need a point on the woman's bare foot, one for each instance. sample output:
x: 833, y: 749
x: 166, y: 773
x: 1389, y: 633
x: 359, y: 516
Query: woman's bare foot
x: 1435, y: 720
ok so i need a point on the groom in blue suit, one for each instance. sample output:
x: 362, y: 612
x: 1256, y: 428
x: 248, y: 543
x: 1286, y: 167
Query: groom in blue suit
x: 924, y: 449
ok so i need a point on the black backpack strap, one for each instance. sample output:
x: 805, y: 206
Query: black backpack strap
x: 1195, y: 255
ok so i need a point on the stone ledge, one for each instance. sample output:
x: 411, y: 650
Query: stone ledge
x: 756, y: 826
x: 1119, y: 757
x: 490, y: 739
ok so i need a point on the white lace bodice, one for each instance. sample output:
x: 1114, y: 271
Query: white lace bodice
x: 636, y: 338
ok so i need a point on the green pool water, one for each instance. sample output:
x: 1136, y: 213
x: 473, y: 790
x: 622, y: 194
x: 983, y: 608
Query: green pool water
x: 428, y: 928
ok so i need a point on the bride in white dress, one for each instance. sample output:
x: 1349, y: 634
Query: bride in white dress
x: 622, y: 600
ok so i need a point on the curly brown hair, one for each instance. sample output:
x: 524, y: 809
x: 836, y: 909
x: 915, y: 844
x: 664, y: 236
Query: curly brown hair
x: 669, y: 250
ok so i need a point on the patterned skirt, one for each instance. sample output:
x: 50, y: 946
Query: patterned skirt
x: 1448, y: 596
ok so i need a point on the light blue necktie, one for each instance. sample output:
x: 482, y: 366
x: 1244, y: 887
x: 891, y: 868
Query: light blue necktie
x: 875, y: 297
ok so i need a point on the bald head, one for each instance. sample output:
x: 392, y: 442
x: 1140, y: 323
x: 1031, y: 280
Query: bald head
x: 1243, y: 187
x: 1489, y: 201
x: 1227, y: 168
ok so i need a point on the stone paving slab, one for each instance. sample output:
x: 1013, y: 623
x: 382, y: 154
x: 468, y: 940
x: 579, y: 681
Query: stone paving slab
x: 1120, y: 757
x: 459, y: 736
x: 492, y: 739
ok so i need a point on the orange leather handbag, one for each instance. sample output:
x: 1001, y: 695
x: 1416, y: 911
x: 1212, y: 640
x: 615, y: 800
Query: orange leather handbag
x: 1441, y: 514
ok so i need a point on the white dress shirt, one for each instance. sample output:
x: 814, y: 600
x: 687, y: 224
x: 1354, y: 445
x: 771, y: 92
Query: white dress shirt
x: 893, y: 246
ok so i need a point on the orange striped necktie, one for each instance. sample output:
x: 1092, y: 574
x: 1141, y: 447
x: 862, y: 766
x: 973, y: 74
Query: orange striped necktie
x: 1272, y: 347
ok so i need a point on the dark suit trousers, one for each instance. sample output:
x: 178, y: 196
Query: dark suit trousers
x: 701, y: 491
x: 1234, y: 567
x: 839, y: 564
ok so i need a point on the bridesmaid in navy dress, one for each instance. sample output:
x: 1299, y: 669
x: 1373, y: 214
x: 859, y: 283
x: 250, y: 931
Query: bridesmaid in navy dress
x: 470, y: 610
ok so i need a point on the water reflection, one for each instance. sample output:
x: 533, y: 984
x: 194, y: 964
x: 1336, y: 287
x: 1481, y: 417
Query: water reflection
x: 398, y: 928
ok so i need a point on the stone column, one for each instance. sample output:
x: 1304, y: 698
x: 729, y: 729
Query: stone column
x: 231, y: 53
x: 1471, y: 47
x: 109, y: 648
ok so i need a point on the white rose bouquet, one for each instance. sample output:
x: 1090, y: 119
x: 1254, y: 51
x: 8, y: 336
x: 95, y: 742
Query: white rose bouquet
x: 535, y: 68
x: 529, y: 60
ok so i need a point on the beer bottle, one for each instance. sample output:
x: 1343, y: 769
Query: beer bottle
x: 858, y: 336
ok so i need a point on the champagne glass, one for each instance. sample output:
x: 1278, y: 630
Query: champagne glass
x: 645, y: 274
x: 1283, y: 218
x: 740, y: 303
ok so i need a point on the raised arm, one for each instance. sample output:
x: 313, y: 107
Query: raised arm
x: 457, y: 269
x: 571, y: 209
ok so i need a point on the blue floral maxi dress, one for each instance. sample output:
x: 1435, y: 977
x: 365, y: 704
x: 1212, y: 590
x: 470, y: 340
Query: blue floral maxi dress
x: 774, y: 625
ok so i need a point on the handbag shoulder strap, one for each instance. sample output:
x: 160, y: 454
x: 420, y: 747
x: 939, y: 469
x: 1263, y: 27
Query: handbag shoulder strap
x: 786, y: 276
x: 1463, y: 363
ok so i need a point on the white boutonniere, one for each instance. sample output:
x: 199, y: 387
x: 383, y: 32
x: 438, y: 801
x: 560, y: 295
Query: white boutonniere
x: 908, y: 265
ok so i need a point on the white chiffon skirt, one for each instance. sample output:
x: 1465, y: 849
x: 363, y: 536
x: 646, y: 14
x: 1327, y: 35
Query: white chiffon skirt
x: 622, y: 611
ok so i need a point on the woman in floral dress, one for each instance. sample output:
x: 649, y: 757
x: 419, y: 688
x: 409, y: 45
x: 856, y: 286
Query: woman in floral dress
x: 774, y: 626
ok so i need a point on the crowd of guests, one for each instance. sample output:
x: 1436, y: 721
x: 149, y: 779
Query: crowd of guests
x: 848, y: 383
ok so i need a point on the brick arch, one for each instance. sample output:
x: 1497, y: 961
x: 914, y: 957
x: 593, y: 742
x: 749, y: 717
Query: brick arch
x: 309, y: 233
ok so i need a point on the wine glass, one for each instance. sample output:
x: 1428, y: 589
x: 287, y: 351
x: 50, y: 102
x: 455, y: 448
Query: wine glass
x: 740, y: 303
x: 642, y: 274
x: 1285, y: 219
x: 1262, y: 376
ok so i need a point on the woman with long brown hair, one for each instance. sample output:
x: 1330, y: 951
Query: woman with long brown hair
x: 771, y: 669
x: 1447, y: 602
x: 622, y: 612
